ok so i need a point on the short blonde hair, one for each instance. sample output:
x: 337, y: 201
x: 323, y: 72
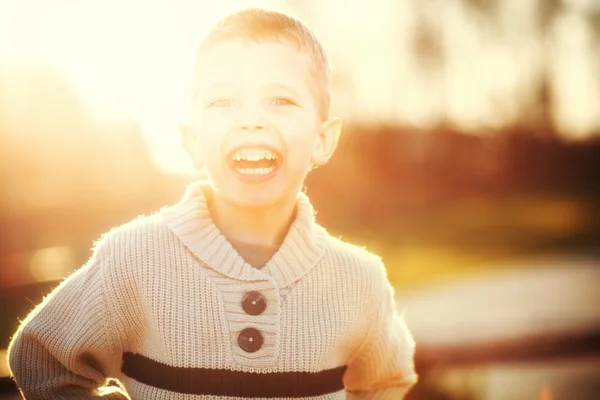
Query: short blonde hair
x: 258, y: 24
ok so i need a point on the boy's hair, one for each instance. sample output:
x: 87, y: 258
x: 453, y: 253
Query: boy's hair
x: 258, y: 24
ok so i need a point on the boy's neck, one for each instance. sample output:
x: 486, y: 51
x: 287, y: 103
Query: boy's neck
x: 266, y: 227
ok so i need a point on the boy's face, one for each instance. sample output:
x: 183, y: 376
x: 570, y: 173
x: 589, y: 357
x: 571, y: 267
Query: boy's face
x: 256, y: 126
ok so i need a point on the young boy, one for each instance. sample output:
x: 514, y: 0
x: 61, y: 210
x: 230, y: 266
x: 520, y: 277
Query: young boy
x: 235, y: 292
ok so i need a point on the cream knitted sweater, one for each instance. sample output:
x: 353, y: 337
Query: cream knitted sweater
x: 167, y: 307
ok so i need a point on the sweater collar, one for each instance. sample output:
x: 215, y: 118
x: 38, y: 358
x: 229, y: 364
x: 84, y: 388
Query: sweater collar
x: 191, y: 222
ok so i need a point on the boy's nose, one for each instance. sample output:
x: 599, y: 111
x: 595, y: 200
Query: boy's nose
x: 251, y: 118
x: 252, y: 126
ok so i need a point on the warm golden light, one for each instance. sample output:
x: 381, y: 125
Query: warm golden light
x: 116, y: 55
x: 3, y: 364
x: 546, y: 394
x: 52, y: 263
x: 130, y: 60
x: 468, y: 162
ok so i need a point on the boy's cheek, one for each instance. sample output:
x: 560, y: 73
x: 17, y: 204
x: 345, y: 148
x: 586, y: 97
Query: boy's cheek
x: 297, y: 116
x: 213, y: 130
x: 212, y: 117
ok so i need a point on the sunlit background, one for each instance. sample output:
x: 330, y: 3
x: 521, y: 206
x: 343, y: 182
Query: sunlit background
x: 469, y: 161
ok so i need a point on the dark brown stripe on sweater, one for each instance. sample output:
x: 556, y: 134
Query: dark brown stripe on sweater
x: 222, y: 382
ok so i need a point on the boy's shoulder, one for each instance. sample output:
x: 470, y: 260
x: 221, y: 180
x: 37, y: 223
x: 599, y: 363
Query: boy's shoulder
x: 140, y: 231
x: 355, y: 258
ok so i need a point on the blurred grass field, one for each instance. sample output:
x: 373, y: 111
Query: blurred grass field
x: 474, y: 235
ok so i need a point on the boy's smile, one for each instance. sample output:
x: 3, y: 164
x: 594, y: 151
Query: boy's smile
x: 256, y: 120
x: 256, y: 164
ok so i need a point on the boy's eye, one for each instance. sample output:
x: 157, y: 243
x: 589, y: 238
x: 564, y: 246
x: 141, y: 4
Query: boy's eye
x: 282, y: 101
x: 221, y: 103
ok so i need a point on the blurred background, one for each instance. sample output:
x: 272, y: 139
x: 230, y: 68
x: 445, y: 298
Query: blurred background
x: 470, y: 161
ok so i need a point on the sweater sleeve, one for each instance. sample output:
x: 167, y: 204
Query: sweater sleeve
x: 383, y: 367
x: 64, y: 349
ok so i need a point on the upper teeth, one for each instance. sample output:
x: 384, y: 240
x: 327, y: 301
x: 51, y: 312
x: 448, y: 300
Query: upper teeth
x: 254, y: 155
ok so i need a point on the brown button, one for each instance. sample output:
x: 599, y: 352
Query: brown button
x: 250, y: 340
x: 254, y: 303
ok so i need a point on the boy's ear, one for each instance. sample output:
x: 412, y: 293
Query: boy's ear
x: 189, y: 140
x: 328, y: 140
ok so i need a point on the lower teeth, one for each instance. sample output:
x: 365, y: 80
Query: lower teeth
x: 255, y: 171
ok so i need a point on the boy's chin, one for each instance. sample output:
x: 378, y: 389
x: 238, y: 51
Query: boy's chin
x: 257, y: 198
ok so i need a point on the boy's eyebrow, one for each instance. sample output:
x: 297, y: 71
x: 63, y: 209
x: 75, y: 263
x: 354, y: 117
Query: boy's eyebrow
x: 281, y: 86
x: 271, y: 86
x: 219, y: 85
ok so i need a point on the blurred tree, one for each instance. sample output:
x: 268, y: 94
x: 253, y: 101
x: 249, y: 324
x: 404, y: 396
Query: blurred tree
x: 485, y: 10
x: 429, y: 53
x: 542, y: 113
x: 593, y: 19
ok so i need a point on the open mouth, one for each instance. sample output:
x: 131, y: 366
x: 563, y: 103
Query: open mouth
x: 254, y: 161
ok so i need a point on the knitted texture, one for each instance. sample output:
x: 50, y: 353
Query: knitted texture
x: 170, y: 287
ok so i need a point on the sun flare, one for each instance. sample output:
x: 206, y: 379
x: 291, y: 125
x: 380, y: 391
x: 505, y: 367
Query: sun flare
x: 125, y: 60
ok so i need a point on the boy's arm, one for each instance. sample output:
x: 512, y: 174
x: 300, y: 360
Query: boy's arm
x: 64, y: 349
x: 383, y: 367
